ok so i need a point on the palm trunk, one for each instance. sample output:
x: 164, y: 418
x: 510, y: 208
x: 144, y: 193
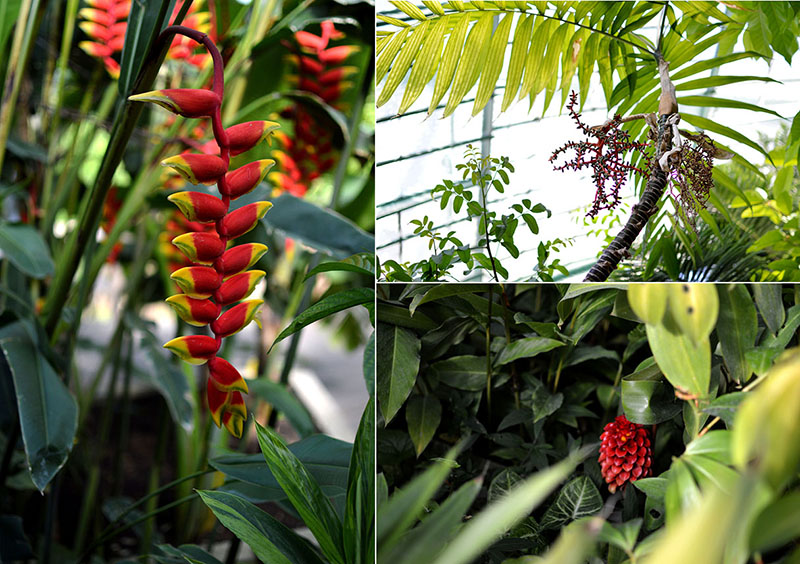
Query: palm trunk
x: 654, y: 189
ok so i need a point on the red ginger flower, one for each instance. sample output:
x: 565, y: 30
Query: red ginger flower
x: 216, y: 277
x: 625, y: 453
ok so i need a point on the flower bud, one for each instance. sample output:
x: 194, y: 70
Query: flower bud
x: 198, y: 206
x: 225, y: 376
x: 186, y: 102
x: 95, y: 49
x: 192, y: 311
x: 242, y: 180
x: 238, y: 287
x: 194, y: 349
x: 236, y: 318
x: 239, y: 258
x: 240, y: 221
x: 197, y: 169
x: 197, y: 281
x: 244, y: 136
x: 200, y: 247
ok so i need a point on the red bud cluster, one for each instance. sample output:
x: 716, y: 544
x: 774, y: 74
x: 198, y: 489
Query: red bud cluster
x: 625, y: 453
x: 217, y: 276
x: 320, y: 71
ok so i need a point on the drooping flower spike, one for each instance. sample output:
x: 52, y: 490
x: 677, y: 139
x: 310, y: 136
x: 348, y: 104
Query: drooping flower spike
x: 217, y: 276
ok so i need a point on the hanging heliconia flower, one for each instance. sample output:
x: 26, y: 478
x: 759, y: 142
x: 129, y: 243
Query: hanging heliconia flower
x: 218, y: 276
x: 320, y: 71
x: 105, y: 22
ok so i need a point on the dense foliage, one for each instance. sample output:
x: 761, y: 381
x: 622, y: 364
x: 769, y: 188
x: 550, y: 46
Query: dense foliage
x: 493, y: 400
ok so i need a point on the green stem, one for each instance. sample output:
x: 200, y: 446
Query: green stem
x: 27, y: 28
x: 124, y: 122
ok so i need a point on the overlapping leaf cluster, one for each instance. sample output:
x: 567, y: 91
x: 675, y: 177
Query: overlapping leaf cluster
x: 506, y: 382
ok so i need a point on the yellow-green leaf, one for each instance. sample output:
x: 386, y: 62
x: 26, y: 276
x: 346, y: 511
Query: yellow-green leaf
x: 452, y: 54
x: 409, y: 9
x: 542, y: 29
x: 403, y: 62
x: 493, y: 64
x: 433, y: 6
x: 393, y: 21
x: 469, y: 65
x: 519, y: 48
x: 548, y: 75
x: 389, y: 53
x: 425, y: 65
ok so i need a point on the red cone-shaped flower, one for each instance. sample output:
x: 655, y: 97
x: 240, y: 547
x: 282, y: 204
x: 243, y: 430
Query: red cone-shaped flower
x: 625, y: 453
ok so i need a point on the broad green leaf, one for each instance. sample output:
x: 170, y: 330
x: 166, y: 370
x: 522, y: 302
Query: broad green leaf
x: 450, y: 59
x: 646, y: 398
x: 685, y: 363
x: 711, y: 474
x: 423, y: 414
x: 304, y: 493
x: 682, y: 493
x: 493, y: 63
x: 425, y: 66
x: 725, y: 406
x: 578, y: 498
x: 543, y: 402
x: 652, y: 487
x: 471, y: 62
x: 516, y: 65
x: 770, y: 305
x: 486, y: 527
x: 527, y: 347
x: 164, y: 374
x: 25, y: 248
x: 403, y: 62
x: 777, y: 524
x: 397, y: 355
x: 694, y: 309
x: 48, y: 413
x: 285, y: 402
x: 462, y: 372
x: 502, y: 484
x: 270, y: 540
x: 782, y: 189
x: 399, y: 513
x: 395, y: 315
x: 328, y: 305
x: 437, y: 292
x: 737, y: 327
x: 319, y: 228
x: 714, y: 444
x: 710, y: 125
x: 621, y: 535
x: 362, y: 263
x: 359, y: 516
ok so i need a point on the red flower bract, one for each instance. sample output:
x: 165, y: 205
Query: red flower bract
x: 625, y: 453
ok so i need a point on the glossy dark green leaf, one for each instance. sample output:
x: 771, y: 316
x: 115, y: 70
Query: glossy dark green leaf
x: 25, y: 248
x: 725, y: 407
x: 270, y: 540
x: 770, y: 305
x: 543, y: 403
x: 527, y: 347
x: 48, y: 412
x: 646, y: 398
x: 304, y: 493
x: 359, y: 517
x: 319, y: 228
x: 737, y: 327
x: 465, y: 372
x: 578, y: 498
x: 285, y: 402
x: 423, y: 414
x: 437, y: 292
x: 397, y: 357
x: 328, y: 305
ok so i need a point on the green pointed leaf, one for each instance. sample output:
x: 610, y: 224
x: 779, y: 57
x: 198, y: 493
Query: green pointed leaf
x: 493, y: 64
x: 48, y: 413
x: 710, y: 125
x: 304, y: 493
x: 714, y: 81
x: 270, y: 540
x: 389, y: 52
x: 327, y: 306
x: 725, y: 407
x: 461, y: 372
x: 770, y: 304
x: 527, y: 347
x: 737, y: 327
x: 423, y: 414
x: 285, y: 402
x: 685, y: 363
x: 359, y: 516
x: 542, y: 29
x: 362, y: 263
x: 24, y: 248
x: 425, y: 66
x: 397, y: 354
x: 450, y: 59
x: 403, y: 62
x: 516, y: 65
x: 578, y: 498
x: 646, y: 398
x: 145, y: 21
x: 715, y: 102
x: 471, y: 62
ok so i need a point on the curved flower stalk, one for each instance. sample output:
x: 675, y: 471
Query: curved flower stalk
x: 219, y: 276
x: 105, y: 22
x: 309, y: 153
